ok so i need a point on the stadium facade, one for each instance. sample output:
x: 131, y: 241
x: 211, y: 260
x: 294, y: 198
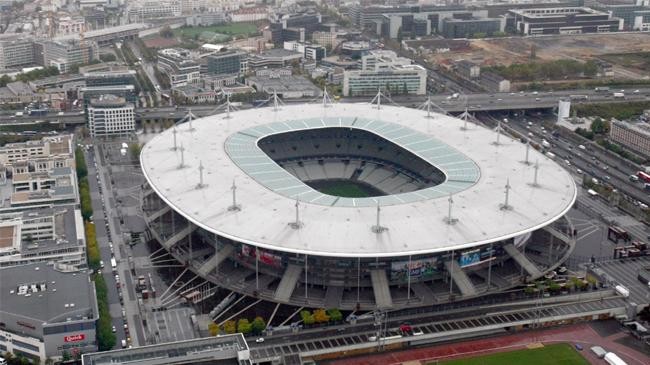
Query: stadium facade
x: 355, y: 206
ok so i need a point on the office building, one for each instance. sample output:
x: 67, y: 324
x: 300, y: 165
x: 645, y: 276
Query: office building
x: 110, y: 115
x: 634, y: 136
x: 38, y: 155
x: 140, y: 10
x: 64, y: 54
x: 227, y: 349
x: 46, y: 234
x: 47, y: 310
x: 127, y: 92
x: 248, y: 14
x: 179, y: 67
x: 384, y: 70
x: 570, y: 20
x: 292, y: 27
x: 642, y: 20
x: 626, y: 12
x: 109, y: 78
x: 205, y: 19
x: 465, y: 25
x: 310, y: 51
x: 275, y: 57
x: 16, y: 52
x: 227, y: 63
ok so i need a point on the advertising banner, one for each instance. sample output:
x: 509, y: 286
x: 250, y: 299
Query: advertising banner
x: 420, y: 268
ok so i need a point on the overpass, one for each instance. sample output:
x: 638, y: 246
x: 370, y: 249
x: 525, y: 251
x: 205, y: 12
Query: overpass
x: 473, y: 102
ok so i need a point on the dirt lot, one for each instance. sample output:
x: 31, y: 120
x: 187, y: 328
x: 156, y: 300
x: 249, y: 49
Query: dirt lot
x: 505, y: 51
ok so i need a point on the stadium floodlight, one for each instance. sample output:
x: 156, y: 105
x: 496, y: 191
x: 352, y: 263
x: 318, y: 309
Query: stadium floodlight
x: 182, y: 156
x: 506, y: 205
x: 174, y: 131
x: 201, y: 168
x: 377, y: 228
x: 234, y: 206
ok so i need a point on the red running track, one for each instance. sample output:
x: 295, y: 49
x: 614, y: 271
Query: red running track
x: 580, y: 333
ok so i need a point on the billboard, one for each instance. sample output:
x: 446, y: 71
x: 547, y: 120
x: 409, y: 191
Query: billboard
x: 469, y: 258
x: 422, y: 268
x: 74, y: 338
x: 265, y: 257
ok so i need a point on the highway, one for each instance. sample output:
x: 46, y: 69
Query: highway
x: 442, y: 102
x: 591, y: 160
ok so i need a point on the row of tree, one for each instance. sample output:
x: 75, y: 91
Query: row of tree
x: 30, y: 76
x: 321, y: 316
x: 105, y: 336
x: 243, y: 325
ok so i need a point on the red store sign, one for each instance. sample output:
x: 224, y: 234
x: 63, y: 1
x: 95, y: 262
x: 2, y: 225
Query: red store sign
x: 75, y: 338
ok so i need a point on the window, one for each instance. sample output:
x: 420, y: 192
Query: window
x: 25, y: 345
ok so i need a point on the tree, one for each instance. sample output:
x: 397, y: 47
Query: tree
x: 400, y: 36
x: 244, y: 326
x: 320, y: 316
x: 5, y: 79
x: 65, y: 356
x: 213, y: 328
x: 230, y: 327
x: 335, y: 314
x: 134, y: 149
x: 107, y: 57
x: 307, y: 317
x: 258, y: 325
x: 166, y: 32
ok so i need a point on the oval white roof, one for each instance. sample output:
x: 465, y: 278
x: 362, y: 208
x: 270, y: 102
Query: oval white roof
x: 477, y: 172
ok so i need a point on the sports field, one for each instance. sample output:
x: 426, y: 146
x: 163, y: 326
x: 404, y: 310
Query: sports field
x: 557, y: 354
x: 344, y: 189
x: 230, y: 29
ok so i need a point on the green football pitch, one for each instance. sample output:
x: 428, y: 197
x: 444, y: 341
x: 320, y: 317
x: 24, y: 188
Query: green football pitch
x: 557, y: 354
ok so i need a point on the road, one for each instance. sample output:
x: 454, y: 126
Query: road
x: 111, y: 245
x: 474, y: 102
x: 591, y: 160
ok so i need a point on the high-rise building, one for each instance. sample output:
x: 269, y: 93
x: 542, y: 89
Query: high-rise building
x: 179, y: 67
x: 64, y: 54
x: 110, y: 115
x: 16, y: 52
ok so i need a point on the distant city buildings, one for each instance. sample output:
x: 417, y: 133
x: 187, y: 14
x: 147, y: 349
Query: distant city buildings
x: 248, y: 14
x: 284, y: 84
x: 635, y: 136
x: 110, y: 115
x: 310, y: 51
x: 230, y: 62
x: 140, y: 10
x: 384, y: 70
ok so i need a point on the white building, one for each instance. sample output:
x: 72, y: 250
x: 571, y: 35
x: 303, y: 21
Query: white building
x: 110, y: 115
x: 249, y: 15
x: 384, y: 70
x: 146, y: 9
x: 68, y: 25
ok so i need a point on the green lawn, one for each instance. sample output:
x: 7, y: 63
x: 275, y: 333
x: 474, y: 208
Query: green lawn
x: 557, y: 354
x: 230, y: 29
x: 345, y: 190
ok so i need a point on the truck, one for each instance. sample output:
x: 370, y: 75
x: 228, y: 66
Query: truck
x: 19, y: 114
x: 601, y: 89
x: 613, y: 359
x: 113, y: 264
x: 643, y: 176
x: 618, y: 95
x: 623, y: 291
x: 598, y: 351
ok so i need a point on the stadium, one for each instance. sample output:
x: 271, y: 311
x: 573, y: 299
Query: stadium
x: 355, y: 206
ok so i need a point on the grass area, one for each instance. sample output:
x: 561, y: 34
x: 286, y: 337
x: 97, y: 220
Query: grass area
x: 620, y: 111
x: 559, y: 354
x: 230, y: 29
x: 640, y: 60
x: 345, y: 190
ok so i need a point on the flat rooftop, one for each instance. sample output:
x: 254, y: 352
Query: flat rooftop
x: 59, y: 295
x: 477, y: 171
x: 222, y: 350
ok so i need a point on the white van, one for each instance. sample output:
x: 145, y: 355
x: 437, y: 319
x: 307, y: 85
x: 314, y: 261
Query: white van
x: 123, y: 344
x: 3, y: 361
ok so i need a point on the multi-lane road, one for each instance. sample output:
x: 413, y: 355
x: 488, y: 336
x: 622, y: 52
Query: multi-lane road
x: 589, y: 161
x: 442, y: 102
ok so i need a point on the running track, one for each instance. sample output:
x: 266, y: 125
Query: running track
x: 580, y: 333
